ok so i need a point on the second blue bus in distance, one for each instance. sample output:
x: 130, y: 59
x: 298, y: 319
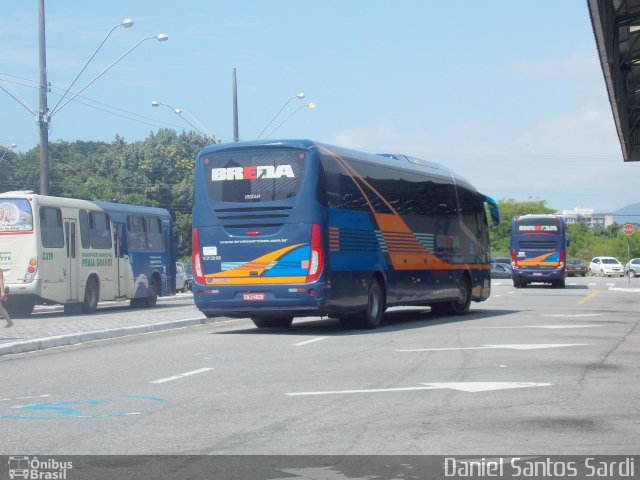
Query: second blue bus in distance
x: 538, y: 250
x: 284, y: 229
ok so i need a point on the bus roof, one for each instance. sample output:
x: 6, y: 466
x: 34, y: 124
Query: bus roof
x: 387, y: 159
x: 123, y: 208
x: 110, y: 207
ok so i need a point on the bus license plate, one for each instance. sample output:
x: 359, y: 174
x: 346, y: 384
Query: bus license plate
x: 253, y: 296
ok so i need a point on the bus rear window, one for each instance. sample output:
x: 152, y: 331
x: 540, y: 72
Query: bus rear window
x: 15, y: 215
x: 253, y: 176
x: 537, y: 225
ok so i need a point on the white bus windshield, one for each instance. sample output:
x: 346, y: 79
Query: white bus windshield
x: 15, y: 215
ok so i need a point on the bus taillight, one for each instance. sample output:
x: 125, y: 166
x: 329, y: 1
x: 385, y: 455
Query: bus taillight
x: 561, y: 262
x: 31, y: 269
x: 195, y: 257
x: 514, y: 259
x: 315, y: 258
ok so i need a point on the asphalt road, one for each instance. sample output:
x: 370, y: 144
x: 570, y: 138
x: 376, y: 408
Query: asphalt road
x: 530, y: 371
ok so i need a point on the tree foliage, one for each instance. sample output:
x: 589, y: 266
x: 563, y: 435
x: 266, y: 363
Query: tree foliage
x: 157, y: 171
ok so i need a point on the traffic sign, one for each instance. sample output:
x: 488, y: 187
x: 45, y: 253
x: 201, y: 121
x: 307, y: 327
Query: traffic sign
x: 627, y: 229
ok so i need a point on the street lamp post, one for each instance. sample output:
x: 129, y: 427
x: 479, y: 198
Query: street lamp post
x: 299, y: 96
x: 44, y: 115
x: 179, y: 111
x: 310, y: 106
x: 161, y: 37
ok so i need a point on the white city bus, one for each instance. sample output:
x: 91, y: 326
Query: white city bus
x: 77, y: 253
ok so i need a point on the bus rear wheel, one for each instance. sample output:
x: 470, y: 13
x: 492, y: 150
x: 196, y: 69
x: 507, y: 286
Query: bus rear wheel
x: 152, y: 295
x: 91, y: 296
x: 19, y: 307
x: 272, y: 322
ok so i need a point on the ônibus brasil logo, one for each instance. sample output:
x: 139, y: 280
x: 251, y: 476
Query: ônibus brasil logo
x: 251, y: 173
x: 32, y: 468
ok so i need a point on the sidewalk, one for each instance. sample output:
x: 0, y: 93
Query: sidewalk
x: 49, y: 327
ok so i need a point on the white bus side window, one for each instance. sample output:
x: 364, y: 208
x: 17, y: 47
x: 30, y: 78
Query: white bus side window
x: 99, y: 230
x: 51, y: 227
x: 84, y: 229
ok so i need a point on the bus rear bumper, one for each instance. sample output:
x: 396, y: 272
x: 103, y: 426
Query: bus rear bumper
x: 33, y: 288
x: 537, y: 276
x: 234, y: 301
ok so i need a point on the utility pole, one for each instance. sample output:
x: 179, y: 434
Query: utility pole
x: 43, y: 112
x: 236, y: 136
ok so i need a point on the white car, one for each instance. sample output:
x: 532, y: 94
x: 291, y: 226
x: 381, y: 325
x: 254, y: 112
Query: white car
x: 606, y: 266
x: 632, y: 267
x: 182, y: 283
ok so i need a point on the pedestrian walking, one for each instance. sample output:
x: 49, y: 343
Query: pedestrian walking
x: 3, y: 298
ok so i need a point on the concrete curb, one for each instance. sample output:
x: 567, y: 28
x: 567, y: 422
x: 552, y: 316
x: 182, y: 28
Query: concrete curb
x: 82, y: 337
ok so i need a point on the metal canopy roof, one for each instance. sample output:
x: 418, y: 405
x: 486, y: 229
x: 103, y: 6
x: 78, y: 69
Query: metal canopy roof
x: 616, y: 26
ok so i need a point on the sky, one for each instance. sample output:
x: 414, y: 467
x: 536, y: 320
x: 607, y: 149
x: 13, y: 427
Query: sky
x: 509, y: 94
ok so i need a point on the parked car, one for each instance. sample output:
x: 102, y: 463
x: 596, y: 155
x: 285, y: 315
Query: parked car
x: 632, y: 267
x: 188, y: 270
x: 606, y: 266
x: 500, y: 270
x: 182, y: 284
x: 575, y: 267
x: 504, y: 260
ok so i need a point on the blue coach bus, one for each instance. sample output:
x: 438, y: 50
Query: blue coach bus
x: 77, y: 253
x: 283, y: 229
x: 538, y: 250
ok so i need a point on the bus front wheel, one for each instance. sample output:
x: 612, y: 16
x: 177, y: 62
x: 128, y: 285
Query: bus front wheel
x: 91, y: 296
x: 462, y: 304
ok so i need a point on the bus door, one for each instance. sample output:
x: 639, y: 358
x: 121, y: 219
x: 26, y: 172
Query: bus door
x: 122, y: 260
x: 71, y: 248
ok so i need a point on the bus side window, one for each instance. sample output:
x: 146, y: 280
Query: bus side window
x: 51, y: 227
x: 84, y: 229
x: 100, y: 230
x: 136, y: 233
x: 154, y: 233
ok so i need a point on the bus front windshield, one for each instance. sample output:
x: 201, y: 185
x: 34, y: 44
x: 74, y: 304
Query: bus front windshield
x: 253, y: 175
x: 15, y: 215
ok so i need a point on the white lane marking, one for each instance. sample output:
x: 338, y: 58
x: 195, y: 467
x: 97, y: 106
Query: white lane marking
x: 486, y: 386
x: 612, y: 287
x: 495, y: 347
x: 26, y: 398
x: 550, y: 327
x: 472, y: 387
x: 307, y: 342
x: 572, y: 315
x: 181, y: 375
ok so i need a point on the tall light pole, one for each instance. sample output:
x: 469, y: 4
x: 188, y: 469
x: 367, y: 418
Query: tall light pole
x: 126, y: 23
x: 310, y: 106
x: 299, y: 96
x: 234, y: 81
x: 179, y: 111
x: 161, y: 37
x: 43, y: 114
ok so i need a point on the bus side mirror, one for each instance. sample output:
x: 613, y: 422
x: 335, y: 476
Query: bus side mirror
x: 494, y: 211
